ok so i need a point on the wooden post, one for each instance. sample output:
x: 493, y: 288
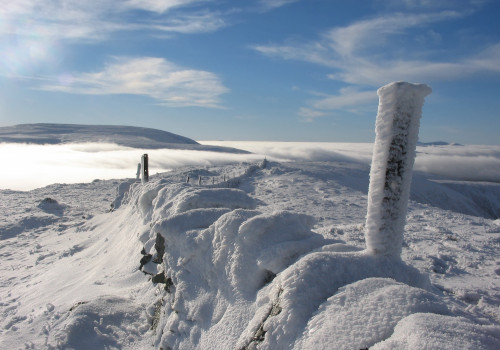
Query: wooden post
x: 398, y: 121
x: 145, y: 168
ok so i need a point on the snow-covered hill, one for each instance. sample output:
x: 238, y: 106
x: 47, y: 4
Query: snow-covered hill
x: 129, y: 136
x: 271, y: 258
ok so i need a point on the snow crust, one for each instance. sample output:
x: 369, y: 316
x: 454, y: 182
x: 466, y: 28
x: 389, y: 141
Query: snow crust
x: 397, y: 125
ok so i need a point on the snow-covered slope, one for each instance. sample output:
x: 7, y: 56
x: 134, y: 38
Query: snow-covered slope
x: 271, y: 258
x: 129, y: 136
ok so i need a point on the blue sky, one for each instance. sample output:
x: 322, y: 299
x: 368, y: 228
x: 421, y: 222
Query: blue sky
x: 276, y: 70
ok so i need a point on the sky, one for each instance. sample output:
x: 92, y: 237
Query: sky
x: 273, y: 70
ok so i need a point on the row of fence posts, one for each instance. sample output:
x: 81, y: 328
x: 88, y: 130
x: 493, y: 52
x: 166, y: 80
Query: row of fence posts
x: 224, y: 178
x: 143, y: 172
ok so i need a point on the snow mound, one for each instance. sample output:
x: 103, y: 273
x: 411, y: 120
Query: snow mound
x: 364, y: 313
x: 101, y: 323
x: 52, y: 206
x: 431, y: 331
x: 298, y: 291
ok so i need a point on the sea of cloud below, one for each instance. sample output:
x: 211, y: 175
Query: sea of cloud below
x: 29, y: 166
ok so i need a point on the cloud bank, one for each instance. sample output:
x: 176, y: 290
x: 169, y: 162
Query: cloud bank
x: 33, y: 166
x: 455, y: 162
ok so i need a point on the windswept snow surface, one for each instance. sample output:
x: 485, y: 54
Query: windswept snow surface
x: 272, y: 258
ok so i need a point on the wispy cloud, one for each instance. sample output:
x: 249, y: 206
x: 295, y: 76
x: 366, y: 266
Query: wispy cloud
x: 272, y: 4
x: 95, y: 20
x: 159, y: 6
x: 309, y: 114
x: 375, y: 51
x: 157, y: 78
x: 347, y: 99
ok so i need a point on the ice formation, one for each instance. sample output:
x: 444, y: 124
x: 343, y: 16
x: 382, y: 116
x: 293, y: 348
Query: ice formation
x: 398, y: 121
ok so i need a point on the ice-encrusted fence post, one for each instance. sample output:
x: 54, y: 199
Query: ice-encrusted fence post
x: 145, y: 168
x: 138, y: 175
x: 398, y: 121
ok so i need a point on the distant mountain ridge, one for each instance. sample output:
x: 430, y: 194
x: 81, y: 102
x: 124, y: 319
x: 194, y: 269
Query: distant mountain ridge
x: 129, y: 136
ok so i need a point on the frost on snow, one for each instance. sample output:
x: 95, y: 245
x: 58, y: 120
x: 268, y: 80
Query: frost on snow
x: 396, y: 129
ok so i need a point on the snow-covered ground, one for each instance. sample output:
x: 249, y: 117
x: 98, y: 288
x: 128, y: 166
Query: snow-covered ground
x: 271, y: 258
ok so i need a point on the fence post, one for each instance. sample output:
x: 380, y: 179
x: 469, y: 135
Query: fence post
x: 138, y: 174
x: 397, y: 124
x: 145, y: 168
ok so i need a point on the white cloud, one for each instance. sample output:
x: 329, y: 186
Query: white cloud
x: 309, y: 114
x: 149, y: 76
x: 372, y: 33
x: 159, y: 6
x: 376, y: 51
x: 345, y: 100
x: 272, y: 4
x: 189, y: 24
x: 348, y: 97
x: 96, y: 20
x: 34, y: 166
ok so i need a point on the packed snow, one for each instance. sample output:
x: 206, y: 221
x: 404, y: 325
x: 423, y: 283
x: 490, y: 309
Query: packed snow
x: 256, y: 254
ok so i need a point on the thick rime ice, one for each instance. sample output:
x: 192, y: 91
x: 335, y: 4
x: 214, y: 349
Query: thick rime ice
x: 398, y: 120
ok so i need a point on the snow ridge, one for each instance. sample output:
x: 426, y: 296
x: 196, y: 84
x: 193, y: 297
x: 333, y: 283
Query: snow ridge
x: 129, y: 136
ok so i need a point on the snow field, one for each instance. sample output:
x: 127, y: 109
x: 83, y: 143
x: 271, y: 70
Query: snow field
x: 277, y: 262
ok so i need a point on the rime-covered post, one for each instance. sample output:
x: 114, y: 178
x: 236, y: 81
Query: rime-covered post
x: 145, y: 168
x: 398, y: 121
x: 138, y: 175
